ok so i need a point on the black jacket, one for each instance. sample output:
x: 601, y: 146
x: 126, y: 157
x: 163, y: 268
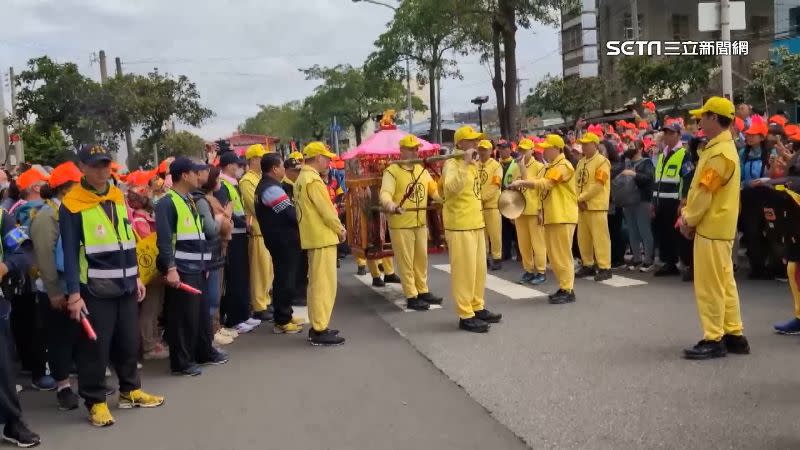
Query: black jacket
x: 276, y: 216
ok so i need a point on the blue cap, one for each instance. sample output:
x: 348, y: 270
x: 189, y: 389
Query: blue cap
x: 229, y: 158
x: 91, y: 154
x: 674, y: 126
x: 182, y: 164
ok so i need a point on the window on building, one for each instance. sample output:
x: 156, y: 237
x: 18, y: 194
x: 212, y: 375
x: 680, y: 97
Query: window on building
x: 571, y: 39
x: 794, y: 21
x: 680, y: 27
x: 760, y: 26
x: 627, y: 25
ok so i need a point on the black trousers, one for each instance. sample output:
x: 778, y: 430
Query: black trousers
x: 668, y: 238
x: 619, y: 239
x: 509, y: 238
x: 62, y: 338
x: 762, y: 257
x: 188, y: 324
x: 235, y: 303
x: 285, y: 263
x: 10, y: 409
x: 116, y: 322
x: 27, y: 326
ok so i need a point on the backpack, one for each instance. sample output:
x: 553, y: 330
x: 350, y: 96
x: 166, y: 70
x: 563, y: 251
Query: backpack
x: 624, y: 191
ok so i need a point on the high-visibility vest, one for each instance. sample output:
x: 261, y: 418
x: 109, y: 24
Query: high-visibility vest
x: 108, y: 254
x: 189, y: 240
x: 668, y: 175
x: 239, y: 219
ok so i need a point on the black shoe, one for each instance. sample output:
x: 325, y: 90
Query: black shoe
x: 67, y: 400
x: 474, y: 325
x: 562, y: 296
x: 191, y: 371
x: 585, y: 271
x: 330, y: 330
x: 688, y: 274
x: 417, y: 304
x: 264, y: 316
x: 378, y: 282
x: 603, y: 275
x: 430, y: 298
x: 362, y: 270
x: 325, y: 338
x: 667, y: 270
x: 18, y: 434
x: 393, y: 278
x: 488, y: 316
x: 706, y: 350
x: 218, y: 359
x: 736, y: 344
x: 495, y: 264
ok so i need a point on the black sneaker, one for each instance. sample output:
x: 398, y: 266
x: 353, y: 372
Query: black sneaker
x: 603, y: 275
x: 667, y: 270
x: 191, y: 371
x: 378, y: 282
x: 488, y: 316
x: 495, y: 264
x: 393, y: 278
x: 18, y: 434
x: 473, y: 324
x: 562, y: 296
x: 585, y: 271
x: 417, y: 304
x: 430, y: 298
x: 67, y: 400
x: 706, y: 350
x: 736, y: 344
x: 330, y: 330
x: 218, y: 359
x: 362, y: 270
x: 325, y: 338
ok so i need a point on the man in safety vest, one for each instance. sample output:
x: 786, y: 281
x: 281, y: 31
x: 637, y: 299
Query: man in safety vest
x: 235, y: 304
x: 531, y: 239
x: 320, y: 232
x: 261, y: 270
x: 466, y: 241
x: 671, y: 166
x: 410, y: 187
x: 710, y: 217
x: 594, y: 195
x: 182, y: 259
x: 491, y: 173
x: 101, y: 275
x: 560, y: 214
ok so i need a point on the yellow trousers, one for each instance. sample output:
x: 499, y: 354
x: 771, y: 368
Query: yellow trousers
x: 559, y: 249
x: 532, y: 243
x: 715, y: 288
x: 594, y: 241
x: 321, y: 291
x: 410, y: 246
x: 467, y: 251
x: 261, y: 274
x: 494, y: 240
x: 790, y: 271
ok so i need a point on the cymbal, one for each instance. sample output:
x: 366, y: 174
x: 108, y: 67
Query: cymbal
x: 511, y: 203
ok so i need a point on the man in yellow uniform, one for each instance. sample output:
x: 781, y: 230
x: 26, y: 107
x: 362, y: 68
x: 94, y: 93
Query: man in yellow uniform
x: 560, y: 214
x: 491, y: 174
x: 710, y: 216
x: 463, y: 228
x: 594, y: 192
x: 402, y: 187
x: 261, y: 274
x: 530, y: 225
x: 320, y: 232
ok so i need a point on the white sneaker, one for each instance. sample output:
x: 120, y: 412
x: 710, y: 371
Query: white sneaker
x: 243, y: 328
x: 253, y: 322
x: 229, y: 332
x: 221, y: 339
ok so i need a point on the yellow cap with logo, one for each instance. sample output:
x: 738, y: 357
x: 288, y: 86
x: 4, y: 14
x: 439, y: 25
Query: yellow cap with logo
x: 552, y: 141
x: 317, y: 148
x: 410, y: 141
x: 255, y: 151
x: 296, y: 156
x: 525, y: 144
x: 485, y: 144
x: 588, y: 138
x: 720, y: 106
x: 467, y: 133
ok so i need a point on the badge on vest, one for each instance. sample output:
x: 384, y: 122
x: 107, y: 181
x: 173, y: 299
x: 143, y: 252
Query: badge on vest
x: 100, y: 231
x: 187, y: 222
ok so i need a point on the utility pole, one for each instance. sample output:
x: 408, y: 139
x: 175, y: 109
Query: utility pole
x: 103, y: 68
x: 335, y: 135
x: 725, y: 36
x: 439, y: 109
x: 4, y: 134
x: 408, y: 97
x: 18, y: 146
x: 128, y: 140
x: 635, y: 19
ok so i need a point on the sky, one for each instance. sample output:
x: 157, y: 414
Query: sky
x: 240, y: 53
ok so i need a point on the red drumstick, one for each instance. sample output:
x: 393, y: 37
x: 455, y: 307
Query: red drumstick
x: 87, y: 326
x: 185, y: 287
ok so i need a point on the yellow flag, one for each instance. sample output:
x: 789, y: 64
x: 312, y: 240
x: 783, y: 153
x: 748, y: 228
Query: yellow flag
x: 146, y: 252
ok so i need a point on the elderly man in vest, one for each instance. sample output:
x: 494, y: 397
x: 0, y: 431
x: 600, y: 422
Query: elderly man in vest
x: 182, y: 259
x: 710, y: 216
x: 320, y: 232
x: 101, y: 275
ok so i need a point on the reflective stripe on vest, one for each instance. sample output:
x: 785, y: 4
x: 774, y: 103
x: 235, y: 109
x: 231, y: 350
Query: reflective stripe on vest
x: 109, y: 274
x: 189, y: 239
x: 668, y: 175
x: 102, y: 248
x: 109, y: 249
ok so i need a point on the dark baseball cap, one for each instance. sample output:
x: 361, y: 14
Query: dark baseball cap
x: 229, y: 158
x: 92, y: 154
x: 503, y: 143
x: 182, y: 164
x: 291, y: 164
x: 674, y: 126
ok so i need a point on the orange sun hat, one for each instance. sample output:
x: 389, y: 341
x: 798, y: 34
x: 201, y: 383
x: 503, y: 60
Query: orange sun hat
x: 65, y: 173
x: 31, y: 177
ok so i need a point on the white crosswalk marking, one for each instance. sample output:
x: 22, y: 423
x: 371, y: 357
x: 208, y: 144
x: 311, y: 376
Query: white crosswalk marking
x: 392, y: 292
x: 619, y: 281
x: 504, y: 287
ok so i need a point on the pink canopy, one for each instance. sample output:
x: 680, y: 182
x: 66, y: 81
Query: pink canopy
x: 386, y: 142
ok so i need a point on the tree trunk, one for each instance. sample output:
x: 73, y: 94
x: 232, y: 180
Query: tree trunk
x: 359, y: 128
x: 434, y: 133
x: 497, y: 81
x: 509, y: 31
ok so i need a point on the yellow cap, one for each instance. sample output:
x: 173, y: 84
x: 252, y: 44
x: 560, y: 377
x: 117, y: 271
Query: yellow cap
x: 525, y: 144
x: 255, y: 151
x: 720, y: 106
x: 467, y: 133
x: 589, y: 137
x: 317, y: 148
x: 410, y: 141
x: 296, y: 155
x: 552, y: 140
x: 485, y: 144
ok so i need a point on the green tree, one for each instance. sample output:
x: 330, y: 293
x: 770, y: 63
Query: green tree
x: 180, y: 143
x: 666, y: 78
x: 48, y: 147
x: 774, y: 80
x: 283, y: 121
x: 572, y: 97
